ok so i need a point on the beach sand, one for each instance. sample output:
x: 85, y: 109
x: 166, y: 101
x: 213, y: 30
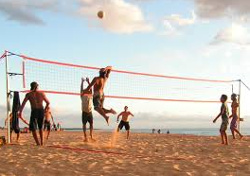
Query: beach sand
x: 144, y: 154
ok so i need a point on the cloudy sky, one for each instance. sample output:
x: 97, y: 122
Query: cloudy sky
x: 190, y: 38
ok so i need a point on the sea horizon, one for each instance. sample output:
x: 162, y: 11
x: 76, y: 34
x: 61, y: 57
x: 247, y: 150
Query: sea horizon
x: 190, y: 131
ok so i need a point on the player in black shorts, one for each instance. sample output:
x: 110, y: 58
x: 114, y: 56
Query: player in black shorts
x: 36, y: 100
x: 125, y: 120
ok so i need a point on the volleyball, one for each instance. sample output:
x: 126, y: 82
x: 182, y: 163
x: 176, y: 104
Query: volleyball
x: 100, y: 14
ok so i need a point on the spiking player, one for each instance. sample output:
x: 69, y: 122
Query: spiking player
x: 98, y: 97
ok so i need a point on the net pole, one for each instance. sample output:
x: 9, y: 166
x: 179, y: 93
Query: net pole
x: 240, y: 82
x: 7, y: 97
x: 23, y: 74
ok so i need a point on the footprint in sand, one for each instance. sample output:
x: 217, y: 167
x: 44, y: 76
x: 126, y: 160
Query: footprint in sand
x: 177, y: 167
x: 243, y: 160
x: 92, y: 165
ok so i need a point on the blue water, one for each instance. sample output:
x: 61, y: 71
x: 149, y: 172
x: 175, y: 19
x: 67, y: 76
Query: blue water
x: 195, y: 131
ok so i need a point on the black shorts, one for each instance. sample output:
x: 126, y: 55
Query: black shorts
x: 122, y: 124
x: 36, y: 119
x: 98, y: 101
x: 47, y: 125
x: 87, y: 117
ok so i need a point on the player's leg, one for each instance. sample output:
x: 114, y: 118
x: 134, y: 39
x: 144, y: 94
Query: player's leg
x: 17, y: 137
x: 237, y: 131
x: 225, y: 136
x: 127, y: 127
x: 91, y: 125
x: 84, y: 125
x: 98, y: 107
x: 106, y: 111
x: 48, y: 130
x: 222, y: 137
x: 40, y: 120
x: 33, y: 127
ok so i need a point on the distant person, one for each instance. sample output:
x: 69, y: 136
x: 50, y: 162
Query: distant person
x: 47, y: 123
x: 25, y: 130
x: 153, y: 130
x: 98, y: 97
x: 58, y: 127
x: 159, y: 131
x: 87, y: 116
x: 124, y: 121
x: 36, y: 100
x: 168, y: 132
x: 224, y: 116
x: 234, y: 121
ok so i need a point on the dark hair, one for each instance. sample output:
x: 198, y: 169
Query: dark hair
x: 224, y: 97
x: 234, y: 95
x: 102, y: 72
x: 33, y: 85
x: 126, y: 107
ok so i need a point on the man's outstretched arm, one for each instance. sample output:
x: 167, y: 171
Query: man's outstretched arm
x: 91, y: 84
x: 23, y: 104
x: 131, y: 114
x: 46, y: 101
x: 119, y: 117
x: 81, y: 87
x: 108, y: 71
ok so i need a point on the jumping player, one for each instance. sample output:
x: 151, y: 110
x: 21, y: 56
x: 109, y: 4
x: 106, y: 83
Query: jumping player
x: 87, y: 116
x: 98, y: 97
x: 234, y: 121
x: 36, y: 100
x: 224, y: 116
x: 125, y: 120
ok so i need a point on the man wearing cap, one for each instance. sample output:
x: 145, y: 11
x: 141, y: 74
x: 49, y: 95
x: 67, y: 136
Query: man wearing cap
x: 98, y: 97
x: 36, y: 100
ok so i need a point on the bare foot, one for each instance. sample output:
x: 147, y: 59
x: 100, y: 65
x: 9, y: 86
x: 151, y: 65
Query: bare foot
x: 113, y: 111
x: 93, y: 140
x: 86, y: 140
x: 241, y: 137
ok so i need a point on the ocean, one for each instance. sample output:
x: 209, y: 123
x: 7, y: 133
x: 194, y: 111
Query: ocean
x: 193, y: 131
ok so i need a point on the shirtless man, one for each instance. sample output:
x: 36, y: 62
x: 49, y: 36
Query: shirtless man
x: 234, y: 121
x: 98, y: 97
x: 47, y: 124
x: 37, y: 111
x: 125, y: 120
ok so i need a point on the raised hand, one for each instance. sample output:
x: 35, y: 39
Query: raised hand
x: 87, y: 79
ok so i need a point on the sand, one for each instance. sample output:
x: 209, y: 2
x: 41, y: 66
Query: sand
x: 144, y: 154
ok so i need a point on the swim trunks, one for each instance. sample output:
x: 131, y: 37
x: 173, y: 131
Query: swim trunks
x: 47, y: 125
x: 36, y: 119
x: 122, y: 124
x: 87, y: 117
x: 98, y: 100
x: 233, y: 124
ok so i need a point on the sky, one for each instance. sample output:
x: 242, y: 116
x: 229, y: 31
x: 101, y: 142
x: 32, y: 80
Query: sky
x: 207, y: 39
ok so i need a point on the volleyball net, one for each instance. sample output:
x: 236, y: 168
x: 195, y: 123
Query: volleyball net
x: 64, y: 78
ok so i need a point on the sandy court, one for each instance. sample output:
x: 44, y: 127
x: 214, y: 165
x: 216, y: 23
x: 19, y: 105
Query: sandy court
x: 144, y: 154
